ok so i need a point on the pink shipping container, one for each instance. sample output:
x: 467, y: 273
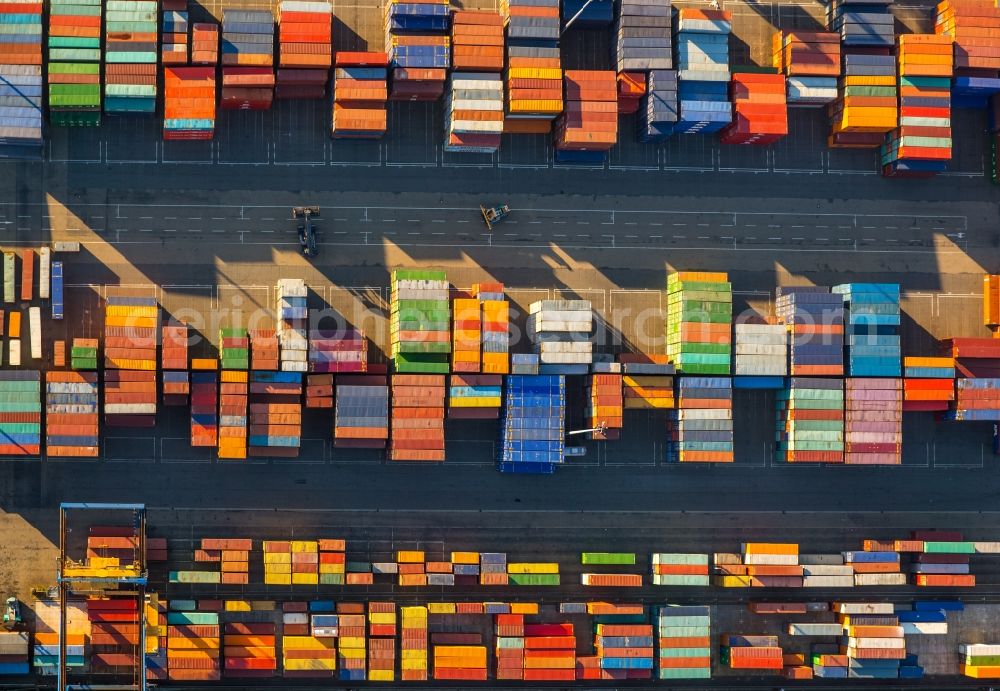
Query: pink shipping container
x: 873, y: 421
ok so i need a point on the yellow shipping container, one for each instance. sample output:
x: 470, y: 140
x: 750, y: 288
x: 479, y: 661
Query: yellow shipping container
x: 441, y: 607
x: 305, y: 579
x: 277, y: 558
x: 475, y: 402
x: 294, y: 665
x: 413, y: 654
x: 307, y: 643
x: 237, y: 606
x: 278, y: 568
x: 524, y: 608
x: 535, y: 73
x: 129, y: 311
x: 734, y: 581
x: 471, y: 652
x: 536, y: 106
x: 233, y: 377
x: 533, y: 567
x: 701, y: 276
x: 770, y: 548
x: 381, y: 675
x: 352, y: 642
x: 277, y: 579
x: 333, y: 568
x: 305, y: 546
x: 929, y: 361
x: 410, y: 557
x: 352, y: 653
x: 204, y: 363
x: 177, y: 643
x: 263, y: 605
x: 413, y: 579
x: 413, y: 664
x: 382, y: 617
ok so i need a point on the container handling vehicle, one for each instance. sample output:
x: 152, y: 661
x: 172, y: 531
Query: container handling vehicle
x: 12, y: 614
x: 304, y: 216
x: 494, y: 214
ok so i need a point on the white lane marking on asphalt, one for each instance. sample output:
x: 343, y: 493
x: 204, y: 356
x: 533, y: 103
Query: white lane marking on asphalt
x: 169, y: 230
x: 388, y: 220
x: 680, y: 237
x: 656, y: 224
x: 438, y: 221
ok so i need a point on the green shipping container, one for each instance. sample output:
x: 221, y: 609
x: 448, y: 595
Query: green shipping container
x: 615, y: 558
x: 195, y: 577
x: 192, y: 618
x: 533, y: 579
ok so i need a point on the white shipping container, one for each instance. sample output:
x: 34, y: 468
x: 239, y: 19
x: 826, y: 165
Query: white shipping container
x: 879, y: 643
x: 130, y: 408
x: 775, y: 351
x: 14, y: 356
x: 863, y: 608
x: 576, y: 305
x: 44, y: 272
x: 704, y: 414
x: 420, y: 294
x: 543, y: 325
x: 295, y: 618
x: 292, y: 355
x: 987, y: 547
x: 291, y: 287
x: 828, y: 582
x: 821, y: 559
x: 827, y: 570
x: 913, y: 628
x: 771, y: 559
x: 979, y: 649
x: 325, y: 631
x: 565, y: 358
x: 294, y: 366
x: 880, y: 579
x: 564, y: 347
x: 385, y: 567
x: 73, y: 246
x: 807, y: 629
x: 35, y: 331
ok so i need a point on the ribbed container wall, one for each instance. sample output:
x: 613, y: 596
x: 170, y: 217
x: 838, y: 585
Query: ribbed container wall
x: 174, y: 364
x: 625, y: 651
x: 360, y: 92
x: 684, y: 642
x: 977, y: 400
x: 71, y: 414
x: 174, y: 27
x: 418, y: 45
x: 674, y: 569
x: 700, y: 429
x: 74, y: 63
x: 815, y: 321
x: 305, y: 52
x: 760, y: 110
x: 475, y: 396
x: 699, y: 322
x: 761, y: 350
x: 204, y: 409
x: 247, y: 60
x: 413, y: 643
x: 361, y: 412
x: 264, y: 349
x: 810, y: 61
x: 549, y: 652
x: 929, y: 383
x: 532, y: 425
x: 921, y: 145
x: 810, y: 426
x: 976, y: 63
x: 131, y: 330
x: 418, y: 402
x: 21, y: 81
x: 188, y: 103
x: 873, y: 413
x: 20, y: 413
x: 559, y: 331
x: 466, y: 335
x: 606, y: 408
x: 204, y: 44
x: 701, y: 44
x: 292, y: 316
x: 234, y: 349
x: 534, y: 67
x: 495, y: 319
x: 750, y: 652
x: 194, y: 649
x: 249, y: 650
x: 588, y: 125
x: 473, y: 111
x: 131, y: 47
x: 382, y: 633
x: 340, y: 351
x: 275, y: 414
x: 419, y: 321
x: 872, y: 324
x: 233, y: 390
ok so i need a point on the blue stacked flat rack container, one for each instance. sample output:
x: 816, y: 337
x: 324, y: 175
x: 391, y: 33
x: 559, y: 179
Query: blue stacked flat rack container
x: 700, y: 427
x: 57, y: 290
x: 532, y: 425
x: 872, y: 329
x: 974, y: 92
x: 658, y: 109
x: 815, y: 318
x: 702, y: 61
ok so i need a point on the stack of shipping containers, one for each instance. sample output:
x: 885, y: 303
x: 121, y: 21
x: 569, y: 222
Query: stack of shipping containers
x: 549, y: 652
x: 234, y: 349
x: 509, y: 650
x: 644, y: 60
x: 699, y: 322
x: 174, y: 364
x: 680, y: 569
x: 308, y: 656
x: 233, y: 388
x: 459, y: 662
x: 319, y: 389
x: 811, y: 421
x: 340, y: 352
x: 475, y: 396
x: 532, y: 424
x: 750, y: 652
x: 16, y: 647
x: 648, y: 384
x: 979, y: 660
x: 83, y: 354
x: 417, y: 417
x: 188, y: 103
x: 174, y: 46
x: 130, y: 55
x: 247, y: 60
x: 413, y: 643
x: 873, y: 413
x: 71, y: 414
x: 74, y: 64
x: 761, y: 350
x: 702, y: 47
x: 417, y: 43
x: 872, y: 325
x: 921, y: 145
x: 20, y: 413
x: 559, y: 331
x: 684, y: 638
x: 467, y: 334
x: 292, y: 316
x: 815, y: 320
x: 351, y: 651
x: 275, y: 413
x: 700, y: 428
x: 205, y: 44
x: 625, y: 651
x: 305, y: 51
x: 131, y: 327
x: 204, y: 407
x: 193, y: 646
x: 419, y: 321
x: 361, y: 413
x: 114, y: 634
x: 360, y: 93
x: 928, y: 384
x: 250, y: 649
x: 381, y: 641
x: 588, y: 126
x: 495, y: 327
x: 21, y: 80
x: 534, y: 67
x: 264, y: 349
x: 866, y: 107
x: 606, y: 408
x: 810, y: 61
x: 475, y: 100
x: 760, y: 111
x: 659, y: 108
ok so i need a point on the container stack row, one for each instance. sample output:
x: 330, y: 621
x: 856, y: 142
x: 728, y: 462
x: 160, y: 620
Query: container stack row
x: 193, y: 646
x: 305, y: 50
x: 20, y: 413
x: 700, y: 428
x: 419, y: 321
x: 643, y: 54
x: 509, y: 651
x: 976, y: 64
x: 862, y: 24
x: 867, y: 105
x: 761, y: 350
x: 233, y: 389
x: 760, y: 110
x: 131, y: 50
x: 647, y: 392
x: 174, y: 364
x: 174, y: 46
x: 559, y: 331
x: 549, y: 652
x: 74, y: 64
x: 475, y: 396
x: 587, y: 128
x: 534, y: 68
x: 114, y: 634
x: 264, y: 349
x: 413, y: 643
x: 205, y: 44
x: 361, y: 412
x: 977, y: 400
x: 659, y: 108
x: 625, y: 651
x: 83, y: 354
x: 684, y: 642
x: 360, y: 93
x: 815, y: 320
x: 341, y: 351
x: 606, y: 409
x: 980, y: 660
x: 250, y: 649
x: 495, y: 319
x: 702, y: 47
x: 204, y: 409
x: 476, y: 41
x: 750, y: 652
x: 873, y: 414
x: 234, y: 348
x: 810, y: 425
x: 417, y: 417
x: 382, y: 641
x: 418, y: 45
x: 131, y: 328
x: 16, y: 647
x: 673, y: 569
x: 699, y: 322
x: 872, y: 319
x: 72, y: 427
x: 921, y: 145
x: 189, y: 103
x: 319, y: 391
x: 21, y: 80
x: 532, y: 424
x: 247, y: 60
x: 810, y: 61
x: 928, y: 384
x: 275, y: 400
x: 466, y: 335
x: 292, y: 315
x: 473, y: 112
